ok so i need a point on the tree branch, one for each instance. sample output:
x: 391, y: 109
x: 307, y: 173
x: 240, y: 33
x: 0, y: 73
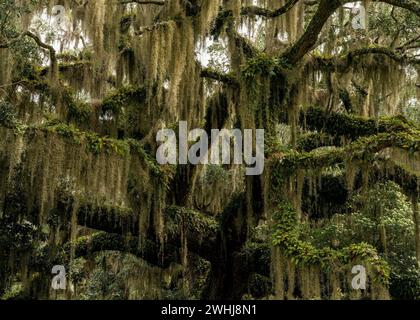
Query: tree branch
x: 363, y: 150
x: 351, y: 126
x: 102, y: 241
x: 258, y: 11
x: 201, y: 231
x: 309, y: 38
x: 325, y: 9
x: 341, y: 64
x: 219, y: 76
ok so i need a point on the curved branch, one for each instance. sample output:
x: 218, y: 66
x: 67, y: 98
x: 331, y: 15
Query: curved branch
x: 325, y: 9
x: 341, y: 64
x: 41, y: 44
x: 38, y: 42
x: 309, y: 38
x: 363, y: 150
x: 201, y: 231
x: 102, y: 241
x: 258, y: 11
x: 48, y: 47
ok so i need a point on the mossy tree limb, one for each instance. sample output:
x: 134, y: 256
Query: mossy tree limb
x: 259, y: 11
x: 102, y: 241
x: 218, y: 76
x: 362, y: 150
x: 352, y: 126
x: 201, y: 232
x: 341, y: 64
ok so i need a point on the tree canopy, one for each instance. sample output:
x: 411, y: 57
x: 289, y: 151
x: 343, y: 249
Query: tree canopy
x: 86, y: 85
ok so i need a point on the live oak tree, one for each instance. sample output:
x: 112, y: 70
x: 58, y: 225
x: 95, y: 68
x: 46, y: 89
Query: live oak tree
x: 84, y: 92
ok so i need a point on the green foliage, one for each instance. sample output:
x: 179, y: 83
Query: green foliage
x: 104, y: 283
x: 215, y: 173
x: 162, y: 174
x: 24, y: 49
x: 258, y: 254
x: 93, y: 142
x: 190, y: 220
x: 98, y: 144
x: 118, y: 276
x: 277, y: 140
x: 99, y: 241
x: 336, y: 244
x: 383, y: 21
x: 15, y: 292
x: 7, y: 114
x: 79, y: 111
x: 353, y: 127
x: 405, y: 277
x: 383, y: 208
x: 262, y: 64
x: 16, y: 235
x: 120, y: 98
x: 311, y: 141
x: 286, y: 235
x: 124, y: 44
x: 202, y: 269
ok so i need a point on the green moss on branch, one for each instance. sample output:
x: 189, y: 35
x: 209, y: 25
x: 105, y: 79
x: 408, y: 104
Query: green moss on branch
x: 194, y: 222
x: 121, y: 97
x: 351, y: 126
x: 362, y: 150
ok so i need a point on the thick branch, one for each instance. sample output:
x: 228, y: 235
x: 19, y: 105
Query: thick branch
x: 325, y: 9
x: 200, y: 231
x: 343, y: 63
x: 244, y: 44
x: 219, y: 76
x: 102, y: 241
x: 38, y: 42
x: 351, y: 126
x: 309, y: 38
x: 258, y: 11
x: 48, y: 47
x: 153, y: 27
x: 225, y: 17
x: 362, y: 150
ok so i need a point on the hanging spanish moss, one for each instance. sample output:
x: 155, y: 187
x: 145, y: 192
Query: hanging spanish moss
x: 85, y: 87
